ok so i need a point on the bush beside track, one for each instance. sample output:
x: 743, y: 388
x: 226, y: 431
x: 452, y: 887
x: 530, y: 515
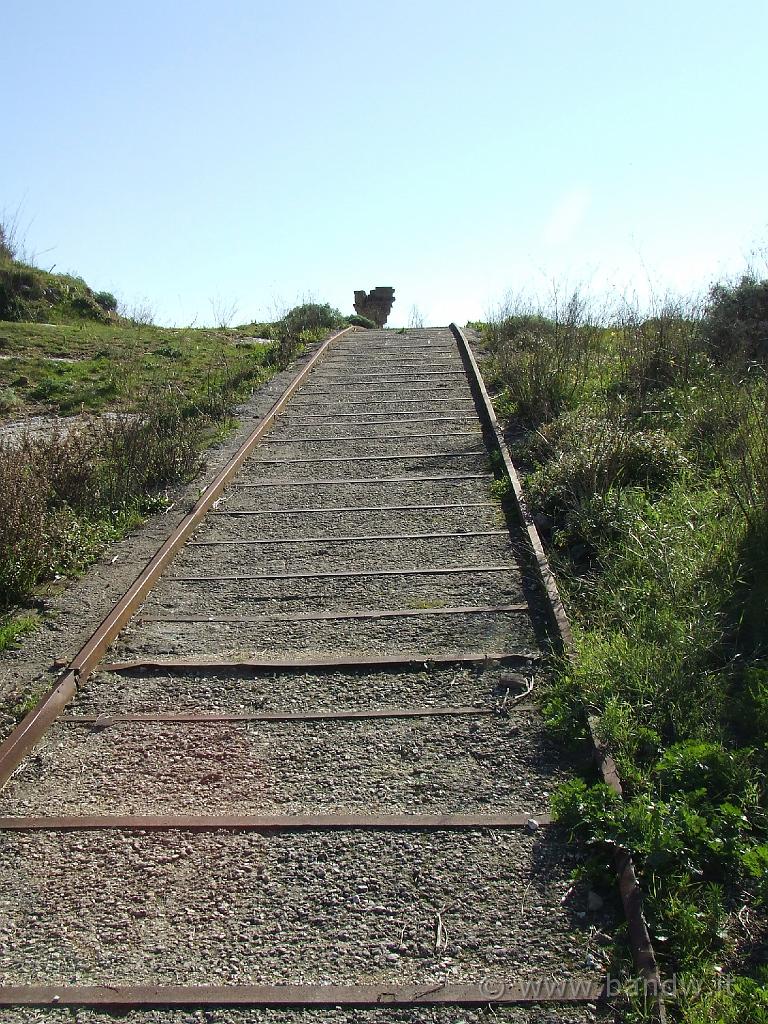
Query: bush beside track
x: 645, y: 444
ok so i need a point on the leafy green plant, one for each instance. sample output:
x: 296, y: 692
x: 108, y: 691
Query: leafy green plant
x: 735, y: 325
x: 9, y: 401
x: 583, y: 455
x: 13, y: 627
x: 107, y: 301
x: 169, y: 352
x: 361, y: 321
x: 686, y: 846
x: 696, y: 765
x: 312, y: 316
x: 303, y: 325
x: 738, y: 1000
x: 502, y: 488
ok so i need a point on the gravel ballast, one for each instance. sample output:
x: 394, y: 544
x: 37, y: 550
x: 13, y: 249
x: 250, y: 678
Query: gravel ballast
x: 544, y: 1014
x: 300, y: 690
x: 432, y: 634
x: 225, y: 907
x: 387, y: 766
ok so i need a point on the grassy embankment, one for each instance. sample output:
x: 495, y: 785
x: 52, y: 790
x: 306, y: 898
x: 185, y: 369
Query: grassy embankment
x: 645, y: 445
x: 169, y: 393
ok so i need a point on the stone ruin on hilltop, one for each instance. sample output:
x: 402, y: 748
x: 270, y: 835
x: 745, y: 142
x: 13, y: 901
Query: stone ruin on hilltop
x: 376, y: 305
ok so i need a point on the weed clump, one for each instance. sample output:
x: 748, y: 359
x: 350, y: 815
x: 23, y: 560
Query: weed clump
x: 361, y: 321
x: 541, y: 359
x: 65, y: 495
x: 303, y: 325
x: 654, y: 353
x: 581, y: 455
x: 9, y: 401
x: 7, y: 246
x: 107, y: 301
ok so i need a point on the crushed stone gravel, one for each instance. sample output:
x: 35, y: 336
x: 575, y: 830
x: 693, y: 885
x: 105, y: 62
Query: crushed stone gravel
x: 300, y: 690
x: 422, y: 766
x: 228, y: 907
x: 333, y: 1015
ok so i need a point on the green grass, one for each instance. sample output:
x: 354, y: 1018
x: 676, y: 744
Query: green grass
x: 170, y: 393
x: 64, y: 496
x: 116, y: 363
x: 647, y: 456
x: 18, y: 703
x: 13, y: 628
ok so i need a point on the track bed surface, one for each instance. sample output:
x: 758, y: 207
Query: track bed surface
x: 353, y: 629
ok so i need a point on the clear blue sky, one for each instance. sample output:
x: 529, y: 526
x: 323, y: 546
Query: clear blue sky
x: 260, y: 152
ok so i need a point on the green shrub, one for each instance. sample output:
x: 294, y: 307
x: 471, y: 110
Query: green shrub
x: 697, y: 765
x: 755, y: 861
x: 687, y: 847
x: 9, y: 401
x: 736, y: 321
x: 584, y: 455
x: 656, y: 352
x: 360, y: 321
x: 85, y: 305
x: 7, y: 245
x: 19, y: 288
x: 756, y: 713
x: 740, y: 1000
x: 13, y: 627
x: 741, y: 454
x: 107, y: 301
x: 312, y: 316
x: 300, y: 326
x: 168, y: 352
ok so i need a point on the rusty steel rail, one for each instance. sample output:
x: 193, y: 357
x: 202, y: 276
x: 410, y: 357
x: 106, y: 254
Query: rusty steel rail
x: 414, y: 659
x: 426, y: 373
x: 321, y: 438
x: 629, y: 888
x: 274, y: 822
x: 319, y: 616
x: 345, y: 481
x: 352, y: 539
x: 314, y: 390
x: 489, y: 991
x: 397, y: 457
x: 349, y: 574
x: 384, y: 417
x: 34, y: 725
x: 300, y: 510
x: 107, y: 719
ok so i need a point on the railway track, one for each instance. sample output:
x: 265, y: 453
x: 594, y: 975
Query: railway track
x: 300, y: 764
